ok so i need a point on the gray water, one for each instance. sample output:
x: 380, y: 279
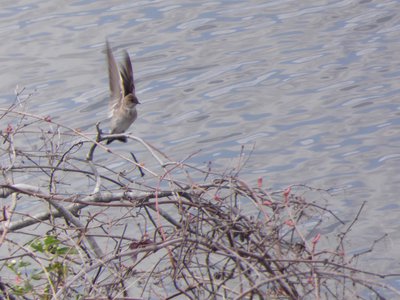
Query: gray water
x: 313, y: 86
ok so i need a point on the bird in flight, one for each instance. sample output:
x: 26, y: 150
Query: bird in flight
x: 123, y: 100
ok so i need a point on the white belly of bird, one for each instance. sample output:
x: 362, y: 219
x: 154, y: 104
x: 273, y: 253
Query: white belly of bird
x: 122, y: 122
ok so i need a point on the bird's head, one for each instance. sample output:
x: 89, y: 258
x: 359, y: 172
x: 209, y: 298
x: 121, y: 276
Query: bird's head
x: 131, y: 100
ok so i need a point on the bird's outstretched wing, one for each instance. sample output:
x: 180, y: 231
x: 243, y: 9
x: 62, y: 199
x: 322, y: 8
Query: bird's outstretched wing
x: 114, y: 80
x: 128, y: 83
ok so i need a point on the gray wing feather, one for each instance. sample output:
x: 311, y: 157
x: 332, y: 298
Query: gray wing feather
x: 127, y: 76
x: 114, y: 80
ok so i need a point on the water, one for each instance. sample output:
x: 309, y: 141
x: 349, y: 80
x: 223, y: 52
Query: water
x: 312, y: 87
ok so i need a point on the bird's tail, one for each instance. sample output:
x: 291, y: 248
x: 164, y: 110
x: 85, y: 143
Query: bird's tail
x: 121, y: 139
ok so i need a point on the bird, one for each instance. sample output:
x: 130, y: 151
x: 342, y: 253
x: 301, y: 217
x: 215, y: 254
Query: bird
x: 123, y: 100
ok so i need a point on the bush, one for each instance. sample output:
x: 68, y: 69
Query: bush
x: 100, y: 225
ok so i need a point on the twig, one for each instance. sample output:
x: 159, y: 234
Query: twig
x: 139, y: 167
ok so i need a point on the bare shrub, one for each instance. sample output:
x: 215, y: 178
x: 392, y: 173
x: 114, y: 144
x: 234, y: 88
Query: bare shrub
x: 79, y: 221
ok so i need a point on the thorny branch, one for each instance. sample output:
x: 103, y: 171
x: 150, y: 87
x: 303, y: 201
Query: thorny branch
x: 180, y: 231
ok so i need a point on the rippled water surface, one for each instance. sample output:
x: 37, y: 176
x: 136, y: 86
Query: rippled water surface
x: 313, y: 86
